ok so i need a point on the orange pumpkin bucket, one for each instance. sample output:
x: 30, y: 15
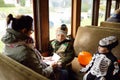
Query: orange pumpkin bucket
x: 84, y: 58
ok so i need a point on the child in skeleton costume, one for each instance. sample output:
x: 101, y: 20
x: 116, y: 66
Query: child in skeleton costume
x: 104, y: 65
x: 63, y: 47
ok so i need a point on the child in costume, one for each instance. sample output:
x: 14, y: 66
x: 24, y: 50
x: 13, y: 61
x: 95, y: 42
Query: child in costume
x: 104, y: 65
x: 63, y: 47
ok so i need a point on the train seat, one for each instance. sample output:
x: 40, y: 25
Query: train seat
x: 110, y: 24
x: 87, y: 39
x: 12, y: 70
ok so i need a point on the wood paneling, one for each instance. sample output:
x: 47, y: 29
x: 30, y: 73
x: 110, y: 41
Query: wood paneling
x: 76, y: 9
x: 41, y: 19
x: 108, y: 9
x: 95, y: 12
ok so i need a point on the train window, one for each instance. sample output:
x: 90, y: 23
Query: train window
x: 15, y: 7
x: 59, y: 13
x: 86, y: 12
x: 102, y: 9
x: 112, y: 7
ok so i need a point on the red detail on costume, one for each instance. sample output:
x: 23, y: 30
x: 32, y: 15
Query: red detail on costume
x: 119, y: 61
x: 12, y: 45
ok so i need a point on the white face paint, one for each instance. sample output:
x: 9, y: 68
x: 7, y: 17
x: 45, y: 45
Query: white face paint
x: 102, y: 49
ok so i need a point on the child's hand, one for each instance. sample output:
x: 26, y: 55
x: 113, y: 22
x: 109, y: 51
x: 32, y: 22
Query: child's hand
x: 59, y: 64
x: 47, y: 58
x: 54, y: 65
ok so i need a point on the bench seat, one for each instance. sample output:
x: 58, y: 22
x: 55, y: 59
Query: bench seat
x: 87, y: 39
x: 12, y: 70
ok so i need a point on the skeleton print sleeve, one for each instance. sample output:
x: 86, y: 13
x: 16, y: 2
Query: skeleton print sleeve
x: 87, y: 68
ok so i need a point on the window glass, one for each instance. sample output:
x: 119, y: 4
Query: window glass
x: 15, y: 7
x: 59, y: 13
x: 102, y: 9
x: 86, y: 12
x: 112, y: 7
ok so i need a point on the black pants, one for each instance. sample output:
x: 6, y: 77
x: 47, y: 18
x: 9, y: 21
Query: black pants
x: 89, y: 76
x: 59, y: 74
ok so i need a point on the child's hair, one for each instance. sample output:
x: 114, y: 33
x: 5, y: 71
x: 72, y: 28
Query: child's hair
x: 20, y: 22
x: 64, y: 28
x: 109, y: 42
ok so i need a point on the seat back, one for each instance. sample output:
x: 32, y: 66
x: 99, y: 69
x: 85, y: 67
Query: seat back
x: 110, y: 24
x: 12, y: 70
x: 87, y: 39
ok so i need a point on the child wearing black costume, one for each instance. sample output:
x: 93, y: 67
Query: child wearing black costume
x: 104, y: 65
